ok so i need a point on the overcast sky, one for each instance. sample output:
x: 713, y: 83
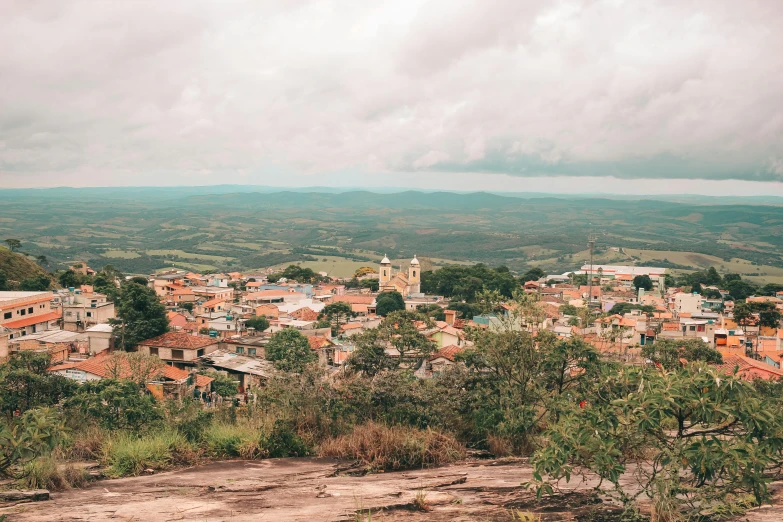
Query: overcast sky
x: 624, y: 95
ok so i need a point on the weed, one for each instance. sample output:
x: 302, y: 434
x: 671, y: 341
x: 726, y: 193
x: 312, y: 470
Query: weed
x: 420, y: 501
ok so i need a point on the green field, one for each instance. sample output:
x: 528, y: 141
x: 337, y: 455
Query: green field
x: 121, y: 254
x: 187, y: 255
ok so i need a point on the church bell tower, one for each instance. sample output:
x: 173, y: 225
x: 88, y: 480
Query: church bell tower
x: 385, y: 271
x: 414, y: 276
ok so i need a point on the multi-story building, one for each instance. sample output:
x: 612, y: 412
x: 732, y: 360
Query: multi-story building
x: 25, y: 313
x: 81, y: 310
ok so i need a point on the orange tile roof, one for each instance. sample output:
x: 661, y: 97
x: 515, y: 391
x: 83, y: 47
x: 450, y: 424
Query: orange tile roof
x: 318, y: 342
x: 179, y: 340
x: 350, y: 326
x: 353, y: 299
x: 183, y: 291
x: 267, y: 293
x: 730, y: 362
x: 212, y: 302
x: 203, y: 380
x: 447, y: 352
x: 29, y: 321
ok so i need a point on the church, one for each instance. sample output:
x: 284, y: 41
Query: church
x: 407, y: 285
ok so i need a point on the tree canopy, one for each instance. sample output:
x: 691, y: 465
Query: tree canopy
x: 289, y: 350
x: 388, y: 302
x: 140, y: 315
x: 259, y: 323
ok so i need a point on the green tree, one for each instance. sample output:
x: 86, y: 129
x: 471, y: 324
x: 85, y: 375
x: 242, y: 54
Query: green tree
x: 189, y: 307
x: 289, y: 350
x: 370, y: 355
x: 643, y: 281
x: 401, y: 331
x: 708, y: 439
x: 42, y: 260
x: 13, y: 244
x: 69, y: 279
x: 37, y: 283
x: 140, y: 316
x: 534, y: 274
x: 669, y: 352
x: 4, y: 286
x: 259, y: 323
x: 26, y: 384
x: 223, y: 385
x: 739, y: 289
x: 106, y: 283
x: 115, y: 405
x: 338, y: 314
x: 388, y: 302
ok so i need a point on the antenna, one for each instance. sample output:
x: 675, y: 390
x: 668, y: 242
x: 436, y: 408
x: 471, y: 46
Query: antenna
x: 591, y: 245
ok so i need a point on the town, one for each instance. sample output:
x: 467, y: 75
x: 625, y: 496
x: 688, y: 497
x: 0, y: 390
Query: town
x: 223, y: 322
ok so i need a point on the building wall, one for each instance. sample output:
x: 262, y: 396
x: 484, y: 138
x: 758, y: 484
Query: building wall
x: 188, y: 355
x: 25, y: 307
x: 687, y: 303
x: 87, y: 315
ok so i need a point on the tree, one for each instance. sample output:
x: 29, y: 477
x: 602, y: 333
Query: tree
x: 4, y: 286
x: 338, y: 313
x: 223, y: 385
x: 69, y: 279
x: 105, y: 282
x: 13, y: 244
x: 140, y: 316
x: 289, y: 350
x: 26, y: 384
x: 708, y: 439
x: 739, y: 289
x: 134, y: 366
x: 668, y: 352
x: 534, y: 274
x: 42, y: 260
x: 388, y: 302
x: 643, y: 281
x: 189, y: 308
x: 370, y: 355
x: 363, y: 271
x: 37, y: 283
x: 400, y: 330
x: 139, y: 280
x: 115, y: 405
x: 259, y: 323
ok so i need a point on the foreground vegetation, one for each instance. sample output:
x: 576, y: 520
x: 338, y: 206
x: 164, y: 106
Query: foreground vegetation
x: 695, y: 441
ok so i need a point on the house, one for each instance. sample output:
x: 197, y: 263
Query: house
x: 213, y: 292
x: 441, y: 360
x: 99, y: 338
x: 81, y: 268
x: 444, y: 335
x: 252, y: 345
x: 171, y: 383
x: 687, y: 304
x: 177, y: 320
x: 183, y: 295
x: 59, y: 344
x: 359, y: 303
x: 748, y: 368
x: 82, y: 310
x: 178, y: 348
x: 211, y: 306
x: 24, y: 313
x: 247, y: 371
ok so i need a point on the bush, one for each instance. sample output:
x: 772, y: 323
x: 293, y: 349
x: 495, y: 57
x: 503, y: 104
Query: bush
x: 222, y: 439
x: 382, y: 447
x: 285, y: 442
x: 44, y: 473
x: 126, y: 454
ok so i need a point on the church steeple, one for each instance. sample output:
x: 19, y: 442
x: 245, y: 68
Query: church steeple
x: 414, y: 276
x: 385, y: 271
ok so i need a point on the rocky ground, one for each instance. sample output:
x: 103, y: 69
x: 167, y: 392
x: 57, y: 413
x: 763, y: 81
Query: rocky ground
x: 325, y: 490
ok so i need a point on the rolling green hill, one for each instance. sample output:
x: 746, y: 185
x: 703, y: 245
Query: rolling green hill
x: 18, y: 267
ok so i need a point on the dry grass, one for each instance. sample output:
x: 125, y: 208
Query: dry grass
x: 47, y: 473
x: 382, y: 447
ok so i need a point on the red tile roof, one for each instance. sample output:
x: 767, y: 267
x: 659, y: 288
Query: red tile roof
x: 30, y: 300
x: 29, y: 321
x: 448, y: 352
x: 212, y: 302
x: 203, y: 380
x: 179, y: 340
x: 730, y: 362
x: 318, y: 342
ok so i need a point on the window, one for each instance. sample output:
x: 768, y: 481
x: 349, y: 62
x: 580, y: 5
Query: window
x: 240, y: 349
x: 30, y: 310
x: 153, y: 351
x: 68, y: 314
x: 23, y: 312
x: 251, y: 351
x: 693, y: 328
x: 89, y: 314
x: 200, y: 352
x: 7, y: 315
x: 177, y: 355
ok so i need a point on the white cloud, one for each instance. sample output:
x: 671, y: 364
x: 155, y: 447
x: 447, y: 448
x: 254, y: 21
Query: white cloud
x: 146, y: 92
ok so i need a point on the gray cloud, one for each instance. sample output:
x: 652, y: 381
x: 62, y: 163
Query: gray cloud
x: 145, y: 92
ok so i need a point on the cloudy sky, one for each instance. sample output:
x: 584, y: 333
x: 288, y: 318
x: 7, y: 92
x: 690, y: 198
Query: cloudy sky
x: 600, y: 95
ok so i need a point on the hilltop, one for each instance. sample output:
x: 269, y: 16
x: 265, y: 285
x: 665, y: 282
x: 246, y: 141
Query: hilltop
x: 18, y: 267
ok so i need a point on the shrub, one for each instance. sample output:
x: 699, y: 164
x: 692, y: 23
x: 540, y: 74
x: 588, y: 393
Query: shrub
x: 285, y: 442
x: 222, y: 439
x: 86, y: 444
x: 126, y: 454
x: 44, y: 473
x: 382, y: 447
